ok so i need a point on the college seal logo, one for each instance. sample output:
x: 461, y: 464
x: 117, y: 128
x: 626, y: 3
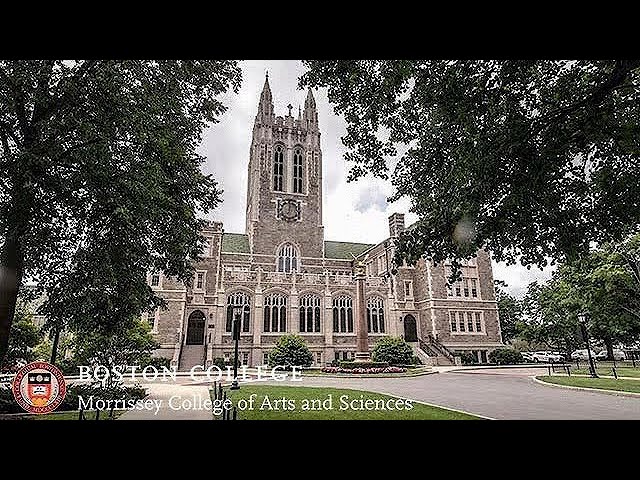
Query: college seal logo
x: 39, y: 387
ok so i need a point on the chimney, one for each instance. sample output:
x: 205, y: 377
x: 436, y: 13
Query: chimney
x: 396, y: 224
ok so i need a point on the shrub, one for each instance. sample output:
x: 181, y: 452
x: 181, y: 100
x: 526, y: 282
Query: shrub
x: 348, y: 365
x: 219, y: 362
x: 158, y: 362
x: 416, y: 360
x: 291, y: 350
x: 468, y: 358
x: 364, y: 370
x: 505, y: 356
x: 393, y: 350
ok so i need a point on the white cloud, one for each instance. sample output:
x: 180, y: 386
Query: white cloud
x: 226, y: 146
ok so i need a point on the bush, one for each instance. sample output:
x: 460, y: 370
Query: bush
x: 219, y: 362
x: 416, y: 360
x: 364, y: 370
x: 291, y: 350
x: 158, y: 362
x: 468, y: 358
x: 348, y: 365
x: 505, y: 356
x: 393, y: 350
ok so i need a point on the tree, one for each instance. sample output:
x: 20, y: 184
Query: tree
x: 98, y: 159
x: 532, y: 160
x: 393, y: 350
x: 509, y: 311
x: 289, y: 351
x: 25, y: 335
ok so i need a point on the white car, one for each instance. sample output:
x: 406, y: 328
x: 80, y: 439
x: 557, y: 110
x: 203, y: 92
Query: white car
x: 527, y: 356
x: 617, y: 355
x: 582, y: 355
x: 548, y: 357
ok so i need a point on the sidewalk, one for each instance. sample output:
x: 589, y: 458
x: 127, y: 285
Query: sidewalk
x: 173, y: 402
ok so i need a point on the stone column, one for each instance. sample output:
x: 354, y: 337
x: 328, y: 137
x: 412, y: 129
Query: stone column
x: 362, y: 336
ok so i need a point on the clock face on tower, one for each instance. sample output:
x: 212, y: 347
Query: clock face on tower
x: 289, y: 210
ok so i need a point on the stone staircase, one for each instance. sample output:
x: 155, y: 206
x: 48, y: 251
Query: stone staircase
x: 432, y: 352
x: 191, y: 356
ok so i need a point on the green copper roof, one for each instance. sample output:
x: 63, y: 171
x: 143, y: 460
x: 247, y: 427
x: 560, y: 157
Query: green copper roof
x: 343, y: 250
x: 235, y: 243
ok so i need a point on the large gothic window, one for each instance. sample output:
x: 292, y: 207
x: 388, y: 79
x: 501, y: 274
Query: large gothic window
x: 238, y: 299
x: 297, y: 171
x: 278, y: 169
x: 275, y: 313
x: 287, y: 258
x: 309, y: 314
x: 343, y: 314
x: 375, y: 315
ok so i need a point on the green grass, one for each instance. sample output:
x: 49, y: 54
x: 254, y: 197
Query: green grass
x: 73, y: 415
x: 599, y: 383
x: 604, y: 368
x: 298, y: 394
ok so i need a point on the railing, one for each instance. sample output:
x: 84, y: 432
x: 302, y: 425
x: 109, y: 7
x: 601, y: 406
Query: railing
x: 441, y: 349
x: 426, y: 348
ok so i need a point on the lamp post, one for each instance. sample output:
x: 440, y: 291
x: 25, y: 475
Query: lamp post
x: 582, y: 318
x: 237, y: 315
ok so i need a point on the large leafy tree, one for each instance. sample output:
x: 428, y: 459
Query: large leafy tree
x: 509, y: 311
x: 25, y: 335
x: 532, y: 160
x: 99, y: 178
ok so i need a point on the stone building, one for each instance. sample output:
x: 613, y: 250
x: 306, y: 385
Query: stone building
x: 290, y: 279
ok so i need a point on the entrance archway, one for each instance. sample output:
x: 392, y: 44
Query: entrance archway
x: 410, y: 329
x: 195, y: 328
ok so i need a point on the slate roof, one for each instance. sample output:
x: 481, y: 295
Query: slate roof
x: 343, y: 250
x: 235, y: 243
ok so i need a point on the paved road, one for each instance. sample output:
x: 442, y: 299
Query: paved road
x: 504, y: 396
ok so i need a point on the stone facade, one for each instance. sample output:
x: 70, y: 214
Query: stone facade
x: 289, y: 279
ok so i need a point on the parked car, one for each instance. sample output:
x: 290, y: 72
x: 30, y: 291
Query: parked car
x: 582, y: 355
x: 527, y: 356
x: 617, y: 355
x: 545, y: 356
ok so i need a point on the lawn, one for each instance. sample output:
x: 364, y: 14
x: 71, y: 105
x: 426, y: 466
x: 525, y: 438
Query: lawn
x: 599, y: 383
x: 605, y: 369
x: 297, y: 403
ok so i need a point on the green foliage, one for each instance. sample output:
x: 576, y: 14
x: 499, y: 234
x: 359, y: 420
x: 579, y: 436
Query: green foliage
x: 505, y: 356
x: 468, y: 358
x: 351, y: 365
x: 101, y: 181
x: 291, y: 350
x: 158, y: 362
x: 392, y: 350
x: 219, y: 362
x: 132, y: 345
x: 509, y: 311
x: 24, y: 337
x: 530, y: 159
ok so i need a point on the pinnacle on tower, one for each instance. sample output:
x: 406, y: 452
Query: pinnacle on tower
x: 310, y: 113
x: 265, y: 106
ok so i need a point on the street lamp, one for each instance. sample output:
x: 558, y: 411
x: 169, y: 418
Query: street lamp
x: 582, y: 319
x: 237, y: 315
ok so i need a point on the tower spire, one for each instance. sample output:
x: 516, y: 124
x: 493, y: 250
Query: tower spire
x: 265, y: 107
x: 310, y: 116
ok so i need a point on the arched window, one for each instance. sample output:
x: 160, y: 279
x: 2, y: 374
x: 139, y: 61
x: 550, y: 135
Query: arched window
x: 287, y: 258
x: 375, y: 315
x: 343, y: 314
x: 275, y: 313
x: 234, y: 300
x: 278, y: 169
x: 297, y: 171
x: 309, y: 314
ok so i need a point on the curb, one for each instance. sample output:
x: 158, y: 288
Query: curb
x: 587, y: 389
x: 370, y: 375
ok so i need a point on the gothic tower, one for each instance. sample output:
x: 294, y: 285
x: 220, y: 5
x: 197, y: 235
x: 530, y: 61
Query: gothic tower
x: 284, y: 198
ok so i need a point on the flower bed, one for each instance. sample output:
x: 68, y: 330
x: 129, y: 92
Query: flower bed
x: 364, y: 370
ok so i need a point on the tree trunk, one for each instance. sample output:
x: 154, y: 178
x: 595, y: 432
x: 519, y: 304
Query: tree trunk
x: 609, y: 344
x: 54, y: 348
x: 11, y: 262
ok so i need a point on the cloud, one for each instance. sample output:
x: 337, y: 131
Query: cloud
x: 371, y: 198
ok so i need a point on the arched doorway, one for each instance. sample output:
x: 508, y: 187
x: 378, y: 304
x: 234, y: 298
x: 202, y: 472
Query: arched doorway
x: 195, y: 328
x: 410, y: 329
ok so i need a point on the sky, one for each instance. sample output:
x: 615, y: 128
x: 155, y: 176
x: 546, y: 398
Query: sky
x: 354, y: 212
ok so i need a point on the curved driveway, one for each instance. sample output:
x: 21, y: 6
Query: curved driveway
x: 506, y: 396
